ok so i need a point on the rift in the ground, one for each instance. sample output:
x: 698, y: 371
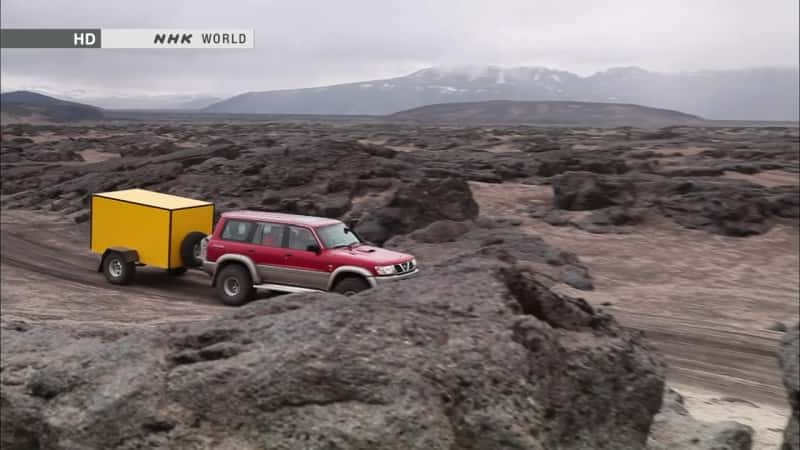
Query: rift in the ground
x: 545, y: 253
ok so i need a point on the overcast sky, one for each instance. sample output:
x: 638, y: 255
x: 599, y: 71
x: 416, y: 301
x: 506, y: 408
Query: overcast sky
x: 302, y: 43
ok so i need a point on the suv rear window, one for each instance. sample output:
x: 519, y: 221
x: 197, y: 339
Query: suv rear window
x: 237, y: 230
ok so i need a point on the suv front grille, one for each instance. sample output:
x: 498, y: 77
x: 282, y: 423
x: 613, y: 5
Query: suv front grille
x: 404, y: 267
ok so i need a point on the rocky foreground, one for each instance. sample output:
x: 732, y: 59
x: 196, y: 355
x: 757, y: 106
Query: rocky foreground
x: 478, y: 353
x: 481, y: 351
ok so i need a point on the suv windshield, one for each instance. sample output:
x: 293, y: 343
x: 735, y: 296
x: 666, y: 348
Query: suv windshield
x: 337, y: 235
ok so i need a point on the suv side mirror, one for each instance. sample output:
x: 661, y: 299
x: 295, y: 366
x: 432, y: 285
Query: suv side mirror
x: 314, y: 248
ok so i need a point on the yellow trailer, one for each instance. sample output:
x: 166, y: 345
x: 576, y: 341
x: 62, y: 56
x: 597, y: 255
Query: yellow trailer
x: 139, y: 227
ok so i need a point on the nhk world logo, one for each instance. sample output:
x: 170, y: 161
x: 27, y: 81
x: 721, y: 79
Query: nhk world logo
x: 206, y: 38
x: 125, y: 38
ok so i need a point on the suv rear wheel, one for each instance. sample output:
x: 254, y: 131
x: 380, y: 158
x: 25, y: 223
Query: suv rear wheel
x: 234, y: 285
x: 350, y: 286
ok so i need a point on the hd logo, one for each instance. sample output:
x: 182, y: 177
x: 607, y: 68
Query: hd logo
x: 161, y: 38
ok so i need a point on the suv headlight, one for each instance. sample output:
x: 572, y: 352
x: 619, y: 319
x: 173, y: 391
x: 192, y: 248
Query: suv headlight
x: 385, y: 270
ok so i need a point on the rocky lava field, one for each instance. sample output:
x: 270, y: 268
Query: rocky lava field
x: 582, y: 288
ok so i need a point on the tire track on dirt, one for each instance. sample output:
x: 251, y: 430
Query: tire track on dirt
x: 733, y: 362
x: 67, y: 263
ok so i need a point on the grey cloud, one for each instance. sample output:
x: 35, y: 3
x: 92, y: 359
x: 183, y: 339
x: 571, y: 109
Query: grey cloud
x: 305, y: 43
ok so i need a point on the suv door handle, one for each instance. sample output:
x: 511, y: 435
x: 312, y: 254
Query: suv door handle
x: 288, y: 254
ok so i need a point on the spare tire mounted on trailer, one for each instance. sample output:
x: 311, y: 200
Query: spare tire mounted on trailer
x: 191, y: 249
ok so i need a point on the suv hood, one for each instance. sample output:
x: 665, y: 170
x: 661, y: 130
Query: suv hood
x: 370, y: 256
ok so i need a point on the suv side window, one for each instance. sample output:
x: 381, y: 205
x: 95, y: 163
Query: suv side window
x: 300, y: 238
x: 237, y: 230
x: 269, y: 234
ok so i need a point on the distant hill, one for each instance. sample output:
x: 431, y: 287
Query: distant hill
x: 558, y: 112
x: 24, y: 106
x: 198, y: 103
x: 746, y: 94
x: 146, y: 102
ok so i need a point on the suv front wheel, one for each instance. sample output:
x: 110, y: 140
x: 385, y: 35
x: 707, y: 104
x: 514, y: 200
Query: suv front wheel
x: 234, y: 285
x: 351, y: 286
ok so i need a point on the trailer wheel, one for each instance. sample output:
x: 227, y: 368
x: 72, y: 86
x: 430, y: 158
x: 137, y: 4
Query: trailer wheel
x: 117, y: 270
x: 234, y: 285
x: 190, y: 249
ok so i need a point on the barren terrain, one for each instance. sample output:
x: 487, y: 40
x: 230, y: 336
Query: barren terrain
x: 705, y: 277
x: 707, y: 302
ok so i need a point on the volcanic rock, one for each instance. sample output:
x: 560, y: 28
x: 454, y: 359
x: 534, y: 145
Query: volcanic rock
x: 724, y: 211
x: 417, y: 204
x: 586, y: 191
x: 441, y: 231
x: 472, y: 355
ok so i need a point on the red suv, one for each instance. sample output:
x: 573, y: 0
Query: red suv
x: 293, y: 253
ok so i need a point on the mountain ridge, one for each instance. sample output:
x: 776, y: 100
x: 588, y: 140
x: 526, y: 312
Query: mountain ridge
x: 32, y: 106
x: 765, y: 93
x: 546, y: 113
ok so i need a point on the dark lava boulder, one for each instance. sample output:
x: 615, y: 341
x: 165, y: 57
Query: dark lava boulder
x: 614, y: 215
x: 565, y: 162
x: 609, y: 220
x: 472, y: 355
x: 441, y: 231
x: 784, y: 201
x: 332, y: 205
x: 430, y: 199
x: 724, y: 211
x: 586, y: 191
x: 417, y: 204
x: 727, y: 207
x: 791, y: 379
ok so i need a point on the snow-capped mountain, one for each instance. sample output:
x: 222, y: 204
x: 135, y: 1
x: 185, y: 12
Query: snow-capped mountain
x: 748, y: 94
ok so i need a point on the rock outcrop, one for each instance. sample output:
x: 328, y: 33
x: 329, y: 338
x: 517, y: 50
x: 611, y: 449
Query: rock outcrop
x: 675, y: 429
x: 587, y: 190
x: 418, y: 204
x: 727, y: 207
x: 791, y: 379
x: 475, y: 354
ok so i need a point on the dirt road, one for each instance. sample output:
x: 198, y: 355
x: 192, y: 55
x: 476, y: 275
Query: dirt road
x: 48, y: 273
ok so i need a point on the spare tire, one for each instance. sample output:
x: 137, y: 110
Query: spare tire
x: 190, y: 249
